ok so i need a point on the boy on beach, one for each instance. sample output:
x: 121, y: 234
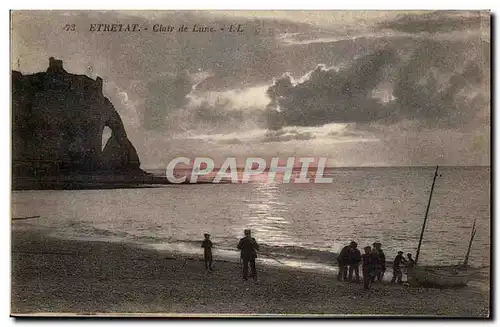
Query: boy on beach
x: 207, y: 251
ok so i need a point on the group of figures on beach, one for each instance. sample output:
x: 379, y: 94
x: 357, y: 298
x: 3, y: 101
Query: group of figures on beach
x: 373, y: 263
x: 248, y: 248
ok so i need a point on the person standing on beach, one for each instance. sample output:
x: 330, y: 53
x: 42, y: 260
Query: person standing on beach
x: 368, y: 267
x: 397, y: 274
x: 248, y: 247
x: 380, y: 262
x: 354, y: 260
x: 343, y: 262
x: 410, y: 262
x: 207, y: 251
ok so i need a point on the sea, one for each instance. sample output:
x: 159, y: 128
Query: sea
x: 297, y: 225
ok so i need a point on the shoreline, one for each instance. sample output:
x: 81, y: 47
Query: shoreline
x: 52, y: 276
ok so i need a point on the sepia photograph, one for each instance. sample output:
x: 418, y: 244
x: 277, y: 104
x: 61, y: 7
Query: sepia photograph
x: 250, y: 163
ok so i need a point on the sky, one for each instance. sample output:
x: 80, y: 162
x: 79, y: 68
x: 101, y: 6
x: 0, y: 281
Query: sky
x: 363, y: 88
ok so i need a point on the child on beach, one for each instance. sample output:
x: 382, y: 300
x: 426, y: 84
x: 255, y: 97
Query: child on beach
x: 207, y: 251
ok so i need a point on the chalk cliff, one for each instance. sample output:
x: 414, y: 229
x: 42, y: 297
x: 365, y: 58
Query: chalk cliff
x: 57, y: 124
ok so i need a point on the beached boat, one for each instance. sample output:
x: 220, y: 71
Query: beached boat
x: 442, y: 276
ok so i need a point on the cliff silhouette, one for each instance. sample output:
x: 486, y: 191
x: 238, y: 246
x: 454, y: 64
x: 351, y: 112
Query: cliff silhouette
x: 58, y: 120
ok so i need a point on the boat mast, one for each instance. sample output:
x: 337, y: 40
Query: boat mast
x: 426, y: 215
x: 473, y: 233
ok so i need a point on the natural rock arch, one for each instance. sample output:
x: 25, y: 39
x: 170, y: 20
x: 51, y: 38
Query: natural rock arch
x: 58, y: 121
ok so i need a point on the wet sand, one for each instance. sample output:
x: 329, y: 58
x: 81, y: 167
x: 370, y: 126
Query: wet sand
x: 53, y: 276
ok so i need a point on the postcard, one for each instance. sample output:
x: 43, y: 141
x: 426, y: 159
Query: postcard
x: 250, y: 163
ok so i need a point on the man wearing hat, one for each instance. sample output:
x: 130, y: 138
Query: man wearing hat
x: 248, y: 247
x: 397, y: 274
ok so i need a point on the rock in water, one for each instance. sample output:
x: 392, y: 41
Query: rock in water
x: 57, y: 124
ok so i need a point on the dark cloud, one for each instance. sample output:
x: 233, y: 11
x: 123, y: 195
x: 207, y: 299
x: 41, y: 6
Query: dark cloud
x: 438, y: 21
x: 440, y: 83
x: 423, y: 93
x: 329, y: 95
